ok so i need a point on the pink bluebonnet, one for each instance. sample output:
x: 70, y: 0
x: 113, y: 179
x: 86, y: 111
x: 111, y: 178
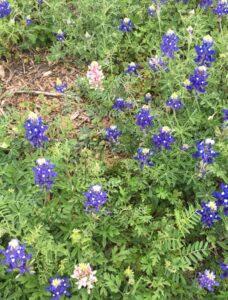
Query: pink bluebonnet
x: 60, y: 87
x: 209, y: 213
x: 126, y: 25
x: 35, y: 131
x: 225, y: 269
x: 148, y: 97
x: 44, y: 173
x: 169, y: 43
x: 5, y: 9
x: 164, y: 139
x: 85, y: 276
x: 143, y: 118
x: 207, y: 280
x: 122, y: 105
x: 221, y: 8
x: 222, y: 198
x: 156, y: 63
x: 174, y: 101
x: 16, y: 257
x: 113, y: 133
x: 132, y: 69
x: 205, y: 151
x: 95, y: 198
x: 204, y: 52
x: 144, y: 156
x: 58, y: 287
x: 95, y: 76
x: 198, y: 80
x: 205, y: 3
x: 60, y: 35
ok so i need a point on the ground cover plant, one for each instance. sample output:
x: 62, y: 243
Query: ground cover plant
x: 114, y: 184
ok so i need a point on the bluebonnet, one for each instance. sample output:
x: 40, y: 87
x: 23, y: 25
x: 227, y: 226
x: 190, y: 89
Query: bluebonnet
x: 44, y: 173
x: 221, y: 8
x: 198, y: 80
x: 143, y: 118
x: 164, y: 139
x: 225, y: 269
x: 16, y: 257
x: 60, y: 35
x: 169, y: 43
x: 225, y: 113
x: 184, y: 147
x: 28, y: 20
x: 35, y: 131
x: 60, y: 87
x: 207, y: 280
x: 151, y: 10
x: 209, y: 213
x: 126, y: 25
x: 156, y: 63
x: 113, y: 133
x: 122, y: 105
x: 204, y: 52
x: 174, y: 102
x: 144, y: 156
x: 95, y: 198
x: 205, y: 3
x: 205, y: 151
x: 148, y: 97
x: 5, y: 9
x: 40, y: 1
x: 58, y: 287
x: 132, y: 69
x: 222, y: 198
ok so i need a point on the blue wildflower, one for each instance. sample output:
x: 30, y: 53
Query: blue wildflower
x: 198, y: 80
x: 225, y: 269
x: 144, y: 156
x: 44, y: 173
x: 40, y: 1
x: 169, y: 43
x: 205, y: 52
x: 222, y: 8
x: 132, y: 69
x: 225, y: 112
x: 60, y: 35
x: 126, y: 25
x: 148, y: 97
x: 28, y: 20
x: 95, y: 198
x: 205, y: 151
x: 58, y: 287
x: 35, y: 131
x: 16, y: 257
x: 184, y: 147
x: 113, y: 133
x: 205, y: 3
x: 174, y: 102
x: 222, y: 198
x: 5, y: 10
x: 143, y: 118
x: 164, y: 139
x: 122, y: 105
x: 60, y: 87
x: 209, y: 213
x: 156, y: 63
x: 151, y: 10
x: 207, y: 280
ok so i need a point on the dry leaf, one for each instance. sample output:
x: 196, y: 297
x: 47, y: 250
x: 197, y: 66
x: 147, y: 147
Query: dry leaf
x: 2, y: 72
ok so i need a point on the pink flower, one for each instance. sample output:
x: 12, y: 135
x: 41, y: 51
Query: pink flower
x: 84, y: 276
x: 95, y: 75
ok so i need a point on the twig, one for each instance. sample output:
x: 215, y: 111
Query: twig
x: 38, y: 93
